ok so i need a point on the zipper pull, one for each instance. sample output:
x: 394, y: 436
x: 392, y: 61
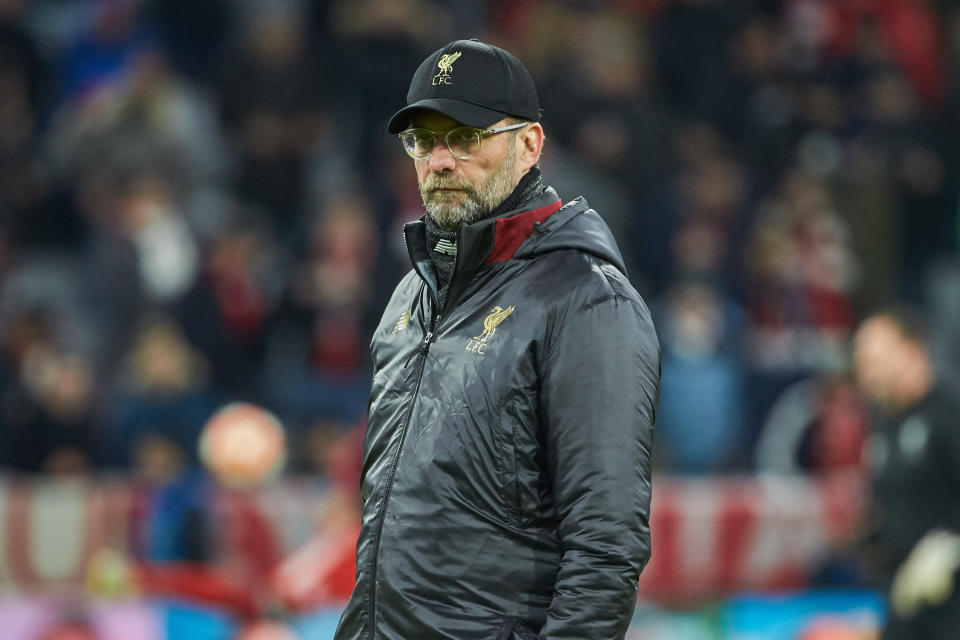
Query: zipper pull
x: 422, y: 348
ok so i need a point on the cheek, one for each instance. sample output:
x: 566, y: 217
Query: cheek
x: 473, y: 175
x: 422, y: 171
x: 479, y: 171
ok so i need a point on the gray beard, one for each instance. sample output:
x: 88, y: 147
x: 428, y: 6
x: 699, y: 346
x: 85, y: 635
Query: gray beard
x: 479, y: 202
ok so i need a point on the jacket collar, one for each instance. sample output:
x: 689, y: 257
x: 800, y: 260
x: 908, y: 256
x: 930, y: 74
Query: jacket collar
x: 485, y: 241
x: 490, y: 239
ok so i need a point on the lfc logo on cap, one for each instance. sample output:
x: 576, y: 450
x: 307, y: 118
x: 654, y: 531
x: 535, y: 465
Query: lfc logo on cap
x: 445, y: 63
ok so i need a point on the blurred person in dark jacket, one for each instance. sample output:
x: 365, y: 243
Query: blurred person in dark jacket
x: 164, y: 399
x: 914, y: 456
x: 24, y: 189
x: 506, y: 474
x: 317, y: 358
x: 271, y: 107
x: 49, y: 414
x: 227, y: 312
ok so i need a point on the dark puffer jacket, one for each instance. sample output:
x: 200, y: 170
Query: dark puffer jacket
x: 506, y: 471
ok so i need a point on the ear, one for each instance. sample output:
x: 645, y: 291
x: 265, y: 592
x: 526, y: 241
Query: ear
x: 530, y: 144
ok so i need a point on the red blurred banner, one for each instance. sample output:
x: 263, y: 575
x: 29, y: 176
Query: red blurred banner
x: 711, y: 535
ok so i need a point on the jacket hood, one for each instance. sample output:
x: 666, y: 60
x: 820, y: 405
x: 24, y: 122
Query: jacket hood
x: 574, y: 226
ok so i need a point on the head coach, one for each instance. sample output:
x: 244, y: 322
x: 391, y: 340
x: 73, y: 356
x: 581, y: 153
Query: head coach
x: 506, y: 470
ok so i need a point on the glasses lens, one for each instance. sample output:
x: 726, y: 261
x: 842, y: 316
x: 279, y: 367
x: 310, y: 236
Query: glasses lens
x: 417, y: 142
x: 464, y: 142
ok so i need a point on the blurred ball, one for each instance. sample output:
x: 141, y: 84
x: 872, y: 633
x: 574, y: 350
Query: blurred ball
x: 266, y: 630
x: 834, y: 628
x: 243, y: 445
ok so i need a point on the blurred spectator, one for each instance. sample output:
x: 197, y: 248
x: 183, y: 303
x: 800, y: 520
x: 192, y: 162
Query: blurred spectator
x: 195, y: 33
x: 271, y: 100
x: 915, y: 462
x: 141, y: 255
x: 167, y: 254
x: 152, y: 121
x: 610, y: 130
x: 906, y: 32
x: 324, y: 569
x: 227, y: 312
x: 114, y: 37
x: 49, y: 414
x: 759, y: 106
x: 164, y: 399
x: 801, y: 274
x: 382, y: 44
x: 689, y: 36
x: 24, y: 185
x: 326, y: 312
x: 699, y: 332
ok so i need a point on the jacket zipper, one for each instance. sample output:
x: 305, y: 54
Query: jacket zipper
x: 422, y: 349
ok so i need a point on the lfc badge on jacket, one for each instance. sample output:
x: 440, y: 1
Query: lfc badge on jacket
x: 479, y: 343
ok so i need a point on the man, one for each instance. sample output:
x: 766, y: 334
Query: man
x: 506, y: 471
x: 914, y: 456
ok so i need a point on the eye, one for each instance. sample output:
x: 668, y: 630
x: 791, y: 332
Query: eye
x: 422, y: 139
x: 464, y: 140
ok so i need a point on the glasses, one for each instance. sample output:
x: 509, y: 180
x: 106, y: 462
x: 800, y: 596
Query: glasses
x: 463, y: 142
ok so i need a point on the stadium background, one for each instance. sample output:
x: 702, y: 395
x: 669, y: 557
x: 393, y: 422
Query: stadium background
x: 200, y: 205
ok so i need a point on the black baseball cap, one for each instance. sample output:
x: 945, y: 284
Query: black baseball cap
x: 473, y: 83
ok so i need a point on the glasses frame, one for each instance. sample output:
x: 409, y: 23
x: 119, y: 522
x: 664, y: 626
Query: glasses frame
x: 480, y: 133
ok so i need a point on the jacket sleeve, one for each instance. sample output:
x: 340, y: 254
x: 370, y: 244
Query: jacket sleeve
x: 600, y: 381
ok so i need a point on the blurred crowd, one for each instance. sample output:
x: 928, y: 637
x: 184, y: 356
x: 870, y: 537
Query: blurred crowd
x: 200, y: 204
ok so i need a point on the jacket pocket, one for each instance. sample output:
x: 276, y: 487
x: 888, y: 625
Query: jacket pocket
x: 516, y: 465
x: 509, y: 471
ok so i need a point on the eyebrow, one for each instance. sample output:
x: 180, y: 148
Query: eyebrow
x: 443, y: 126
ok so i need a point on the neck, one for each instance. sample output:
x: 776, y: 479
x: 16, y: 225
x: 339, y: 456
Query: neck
x: 529, y: 186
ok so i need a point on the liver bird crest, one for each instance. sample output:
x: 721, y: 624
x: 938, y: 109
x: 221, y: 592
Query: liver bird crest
x: 492, y: 321
x: 446, y: 63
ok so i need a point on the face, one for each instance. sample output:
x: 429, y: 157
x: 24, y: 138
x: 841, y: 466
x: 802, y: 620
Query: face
x: 880, y: 354
x: 456, y: 191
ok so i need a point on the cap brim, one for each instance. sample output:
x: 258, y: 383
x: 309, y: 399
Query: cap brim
x: 463, y: 112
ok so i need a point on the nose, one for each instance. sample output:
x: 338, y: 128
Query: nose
x: 440, y: 158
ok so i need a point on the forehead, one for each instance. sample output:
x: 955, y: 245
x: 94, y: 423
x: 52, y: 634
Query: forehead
x: 433, y: 120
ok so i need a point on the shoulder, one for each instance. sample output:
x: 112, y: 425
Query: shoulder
x: 581, y: 292
x: 574, y: 278
x: 402, y: 297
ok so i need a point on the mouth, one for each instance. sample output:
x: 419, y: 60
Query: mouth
x: 445, y: 191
